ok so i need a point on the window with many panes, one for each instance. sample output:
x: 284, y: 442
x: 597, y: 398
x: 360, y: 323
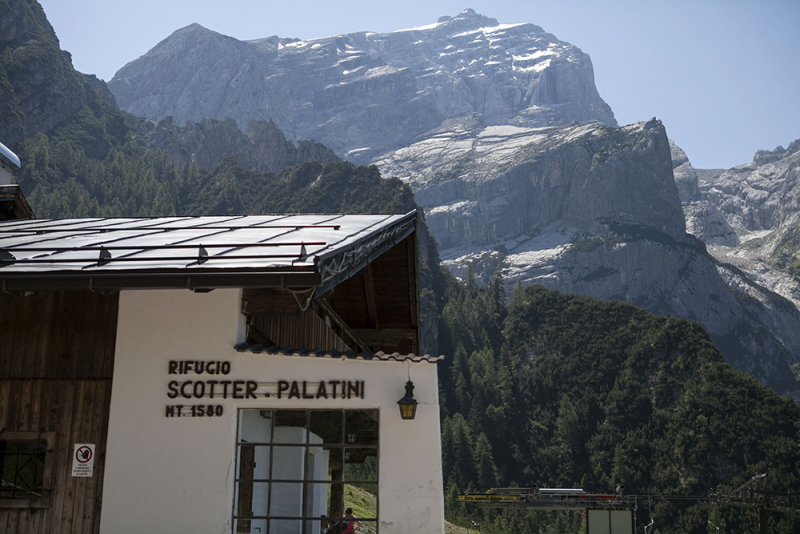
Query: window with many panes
x: 298, y: 471
x: 25, y: 464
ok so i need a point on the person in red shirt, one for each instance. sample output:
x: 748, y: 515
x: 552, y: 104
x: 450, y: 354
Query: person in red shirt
x: 352, y: 522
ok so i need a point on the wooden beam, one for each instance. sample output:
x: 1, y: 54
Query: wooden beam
x: 391, y: 337
x: 267, y: 301
x: 369, y: 296
x: 337, y: 321
x: 413, y: 289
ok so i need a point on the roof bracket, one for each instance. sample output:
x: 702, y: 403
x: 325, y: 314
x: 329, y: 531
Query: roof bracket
x: 105, y: 256
x: 202, y: 255
x: 7, y: 257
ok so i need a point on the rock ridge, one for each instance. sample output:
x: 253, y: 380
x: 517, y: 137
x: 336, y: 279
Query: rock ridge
x: 364, y: 93
x: 496, y: 182
x: 39, y: 88
x: 261, y: 147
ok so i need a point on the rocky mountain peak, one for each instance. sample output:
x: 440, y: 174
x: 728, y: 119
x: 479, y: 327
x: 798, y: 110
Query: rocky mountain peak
x: 365, y: 94
x: 467, y: 19
x: 187, y: 38
x: 194, y: 26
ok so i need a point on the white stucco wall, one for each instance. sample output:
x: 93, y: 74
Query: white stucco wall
x: 169, y: 474
x: 5, y: 175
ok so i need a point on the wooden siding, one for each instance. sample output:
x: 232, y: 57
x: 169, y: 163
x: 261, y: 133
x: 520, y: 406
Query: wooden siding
x: 56, y: 363
x: 382, y: 298
x: 303, y: 330
x: 57, y: 335
x: 77, y: 411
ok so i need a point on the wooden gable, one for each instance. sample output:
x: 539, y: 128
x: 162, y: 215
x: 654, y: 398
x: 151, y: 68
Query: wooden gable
x: 374, y: 310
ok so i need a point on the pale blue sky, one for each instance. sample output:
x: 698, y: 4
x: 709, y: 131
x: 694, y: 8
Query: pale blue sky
x: 723, y: 75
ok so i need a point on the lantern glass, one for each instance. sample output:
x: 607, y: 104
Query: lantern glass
x: 408, y: 409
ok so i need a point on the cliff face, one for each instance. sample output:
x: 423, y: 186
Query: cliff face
x: 486, y: 184
x: 39, y: 89
x: 363, y: 94
x: 703, y: 218
x: 758, y: 205
x: 596, y: 211
x: 763, y: 195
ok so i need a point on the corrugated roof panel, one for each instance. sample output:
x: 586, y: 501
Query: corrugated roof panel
x: 253, y: 220
x: 187, y: 242
x: 144, y: 265
x: 161, y: 238
x: 13, y: 239
x: 309, y: 219
x: 63, y: 240
x: 94, y: 254
x: 105, y: 224
x: 41, y: 268
x: 363, y: 222
x: 14, y: 224
x: 147, y: 222
x: 249, y: 236
x: 293, y: 250
x: 196, y: 222
x: 276, y: 263
x: 210, y: 256
x: 46, y: 224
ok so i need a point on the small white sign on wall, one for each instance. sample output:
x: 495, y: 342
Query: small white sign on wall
x: 83, y: 460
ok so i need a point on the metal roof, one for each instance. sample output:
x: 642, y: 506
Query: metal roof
x: 9, y: 157
x: 193, y: 252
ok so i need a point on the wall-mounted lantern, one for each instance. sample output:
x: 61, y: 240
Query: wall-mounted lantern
x: 408, y: 404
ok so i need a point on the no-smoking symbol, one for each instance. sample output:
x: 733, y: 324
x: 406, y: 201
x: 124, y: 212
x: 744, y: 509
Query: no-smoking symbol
x: 83, y: 454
